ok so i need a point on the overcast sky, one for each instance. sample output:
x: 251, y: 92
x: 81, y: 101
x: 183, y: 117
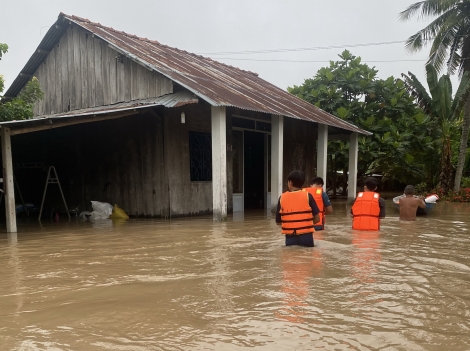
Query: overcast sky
x: 210, y: 27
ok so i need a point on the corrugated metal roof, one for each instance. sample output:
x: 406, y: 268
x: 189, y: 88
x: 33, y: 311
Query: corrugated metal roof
x: 180, y: 98
x: 217, y: 83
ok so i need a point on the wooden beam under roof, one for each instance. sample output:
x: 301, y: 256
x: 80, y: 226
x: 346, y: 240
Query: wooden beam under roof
x: 50, y: 124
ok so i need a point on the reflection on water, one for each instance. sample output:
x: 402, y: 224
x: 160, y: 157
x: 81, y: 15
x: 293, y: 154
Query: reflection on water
x: 191, y: 284
x: 366, y: 255
x: 298, y: 265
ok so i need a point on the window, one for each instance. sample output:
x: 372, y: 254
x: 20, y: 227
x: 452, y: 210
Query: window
x: 243, y: 123
x: 200, y: 156
x: 262, y: 126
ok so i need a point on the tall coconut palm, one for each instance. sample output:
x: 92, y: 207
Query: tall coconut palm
x: 449, y: 33
x: 444, y: 111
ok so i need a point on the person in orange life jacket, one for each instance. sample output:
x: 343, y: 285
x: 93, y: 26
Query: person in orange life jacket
x: 368, y: 207
x: 296, y: 212
x: 321, y: 199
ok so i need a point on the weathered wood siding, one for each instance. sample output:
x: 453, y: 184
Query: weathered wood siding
x: 119, y: 161
x: 83, y: 71
x: 126, y: 165
x: 186, y: 197
x: 139, y: 162
x: 300, y: 148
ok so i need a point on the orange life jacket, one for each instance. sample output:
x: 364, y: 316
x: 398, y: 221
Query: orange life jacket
x: 366, y: 211
x: 317, y: 196
x: 296, y: 213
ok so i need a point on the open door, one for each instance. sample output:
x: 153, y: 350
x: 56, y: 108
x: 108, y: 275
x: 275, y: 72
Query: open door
x: 251, y: 169
x: 254, y: 170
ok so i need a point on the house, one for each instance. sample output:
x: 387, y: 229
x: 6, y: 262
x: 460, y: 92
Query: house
x: 157, y: 130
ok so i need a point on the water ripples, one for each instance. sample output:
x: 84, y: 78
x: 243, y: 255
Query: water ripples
x: 191, y: 284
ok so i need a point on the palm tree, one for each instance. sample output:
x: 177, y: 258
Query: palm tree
x: 450, y: 36
x: 443, y: 110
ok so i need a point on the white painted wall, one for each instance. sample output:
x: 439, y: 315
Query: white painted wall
x: 322, y: 151
x: 277, y: 142
x: 219, y: 163
x: 353, y: 158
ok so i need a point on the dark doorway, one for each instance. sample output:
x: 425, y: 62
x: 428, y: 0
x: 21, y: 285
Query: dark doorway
x: 254, y: 169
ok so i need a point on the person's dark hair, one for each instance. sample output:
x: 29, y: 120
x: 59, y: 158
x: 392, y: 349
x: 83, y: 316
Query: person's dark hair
x: 371, y: 183
x: 409, y: 190
x: 317, y: 180
x: 297, y: 178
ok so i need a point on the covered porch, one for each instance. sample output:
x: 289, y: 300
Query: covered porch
x: 140, y: 157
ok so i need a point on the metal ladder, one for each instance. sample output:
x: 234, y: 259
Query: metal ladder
x: 52, y: 180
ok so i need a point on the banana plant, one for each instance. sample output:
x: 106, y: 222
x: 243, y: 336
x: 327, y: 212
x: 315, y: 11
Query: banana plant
x: 444, y: 112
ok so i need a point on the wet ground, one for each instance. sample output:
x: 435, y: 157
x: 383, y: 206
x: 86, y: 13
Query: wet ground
x: 191, y: 284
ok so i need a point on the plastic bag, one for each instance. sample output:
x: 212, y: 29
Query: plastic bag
x: 101, y: 210
x: 119, y: 213
x: 102, y: 207
x: 431, y: 199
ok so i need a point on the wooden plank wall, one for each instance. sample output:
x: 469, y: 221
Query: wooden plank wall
x: 140, y: 162
x: 119, y: 161
x: 186, y: 197
x: 126, y: 165
x: 82, y: 71
x: 300, y: 150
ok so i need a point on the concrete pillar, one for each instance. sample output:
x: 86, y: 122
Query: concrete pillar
x: 322, y: 150
x: 8, y: 186
x: 352, y: 177
x: 219, y: 163
x: 12, y: 238
x: 277, y: 142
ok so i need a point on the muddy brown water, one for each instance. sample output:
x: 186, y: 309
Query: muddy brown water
x: 191, y: 284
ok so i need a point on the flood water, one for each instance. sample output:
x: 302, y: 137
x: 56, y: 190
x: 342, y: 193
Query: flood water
x: 191, y: 284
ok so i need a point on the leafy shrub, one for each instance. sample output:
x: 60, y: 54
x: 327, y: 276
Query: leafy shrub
x: 421, y: 188
x: 465, y: 182
x: 463, y: 195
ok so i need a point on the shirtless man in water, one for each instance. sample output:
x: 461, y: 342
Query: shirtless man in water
x: 409, y: 204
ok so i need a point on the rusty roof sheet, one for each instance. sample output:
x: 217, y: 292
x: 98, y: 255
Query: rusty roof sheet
x: 180, y: 98
x: 217, y: 83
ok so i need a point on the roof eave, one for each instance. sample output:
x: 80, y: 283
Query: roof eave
x: 51, y: 38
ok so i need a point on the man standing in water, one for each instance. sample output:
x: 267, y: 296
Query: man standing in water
x: 321, y: 199
x: 296, y: 212
x: 409, y: 204
x: 368, y: 208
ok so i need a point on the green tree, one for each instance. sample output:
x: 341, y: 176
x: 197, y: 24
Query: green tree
x: 444, y: 112
x: 449, y: 33
x: 3, y: 50
x: 351, y: 90
x: 20, y: 107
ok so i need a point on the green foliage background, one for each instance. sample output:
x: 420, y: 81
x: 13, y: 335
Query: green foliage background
x: 20, y: 107
x: 405, y: 145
